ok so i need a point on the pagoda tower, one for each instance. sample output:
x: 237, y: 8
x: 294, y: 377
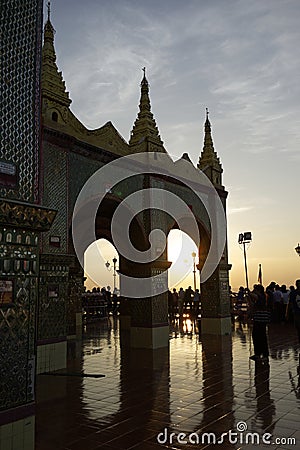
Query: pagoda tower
x: 209, y: 162
x: 145, y: 136
x: 215, y: 291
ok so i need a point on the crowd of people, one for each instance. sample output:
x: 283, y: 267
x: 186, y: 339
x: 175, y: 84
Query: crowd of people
x: 100, y: 301
x: 275, y: 304
x: 184, y: 301
x: 277, y: 301
x: 260, y: 306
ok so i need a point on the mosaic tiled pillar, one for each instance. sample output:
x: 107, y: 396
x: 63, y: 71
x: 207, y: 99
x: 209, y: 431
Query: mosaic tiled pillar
x: 18, y: 300
x: 148, y: 311
x: 215, y: 302
x: 20, y: 227
x: 74, y: 306
x: 52, y: 313
x: 146, y: 318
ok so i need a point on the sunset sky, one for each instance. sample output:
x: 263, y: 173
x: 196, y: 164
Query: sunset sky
x: 241, y: 60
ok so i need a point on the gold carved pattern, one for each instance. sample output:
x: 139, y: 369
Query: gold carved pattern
x: 25, y: 216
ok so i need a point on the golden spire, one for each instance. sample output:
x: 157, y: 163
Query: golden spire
x: 209, y: 161
x: 49, y: 35
x: 208, y: 147
x: 144, y: 128
x: 53, y: 86
x: 48, y: 9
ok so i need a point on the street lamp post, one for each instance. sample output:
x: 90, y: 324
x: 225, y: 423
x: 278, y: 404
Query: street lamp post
x: 245, y: 238
x: 297, y: 249
x: 115, y: 272
x: 194, y: 270
x: 107, y: 265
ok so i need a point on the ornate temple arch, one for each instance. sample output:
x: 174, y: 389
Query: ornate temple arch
x: 72, y: 153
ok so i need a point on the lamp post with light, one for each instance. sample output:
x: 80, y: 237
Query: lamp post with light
x: 297, y: 249
x: 245, y: 238
x: 107, y: 265
x: 194, y: 254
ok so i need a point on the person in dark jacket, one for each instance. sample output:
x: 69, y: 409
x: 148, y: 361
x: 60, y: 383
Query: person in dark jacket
x: 261, y: 317
x: 295, y: 304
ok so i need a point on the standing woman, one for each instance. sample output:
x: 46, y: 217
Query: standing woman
x: 261, y: 317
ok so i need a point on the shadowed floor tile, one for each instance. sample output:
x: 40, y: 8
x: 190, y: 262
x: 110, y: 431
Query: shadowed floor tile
x: 202, y: 387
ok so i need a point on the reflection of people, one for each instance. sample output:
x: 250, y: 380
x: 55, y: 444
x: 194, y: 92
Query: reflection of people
x: 296, y: 388
x: 264, y: 401
x: 295, y: 303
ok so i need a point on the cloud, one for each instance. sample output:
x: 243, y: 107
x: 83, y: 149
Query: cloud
x: 240, y: 59
x: 240, y: 209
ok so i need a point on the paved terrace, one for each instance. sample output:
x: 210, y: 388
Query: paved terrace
x: 207, y: 385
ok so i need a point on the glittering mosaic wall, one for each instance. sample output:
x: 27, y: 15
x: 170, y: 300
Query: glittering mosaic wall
x: 18, y: 299
x: 52, y: 298
x: 78, y: 178
x: 20, y: 24
x: 56, y: 196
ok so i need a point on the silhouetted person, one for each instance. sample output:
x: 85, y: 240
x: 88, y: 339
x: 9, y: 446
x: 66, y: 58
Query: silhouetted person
x: 240, y: 299
x: 188, y: 297
x: 295, y: 303
x: 181, y: 295
x: 196, y: 302
x: 261, y: 317
x: 285, y: 302
x: 290, y: 313
x: 174, y: 302
x: 170, y: 303
x: 270, y: 299
x: 277, y: 303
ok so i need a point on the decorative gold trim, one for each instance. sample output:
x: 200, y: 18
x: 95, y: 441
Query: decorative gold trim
x: 25, y: 215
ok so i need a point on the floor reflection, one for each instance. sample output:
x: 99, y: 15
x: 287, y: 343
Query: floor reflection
x: 265, y: 407
x: 199, y: 384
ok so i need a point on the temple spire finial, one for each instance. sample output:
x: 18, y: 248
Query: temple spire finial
x: 48, y: 9
x: 209, y: 161
x: 145, y: 128
x: 53, y: 86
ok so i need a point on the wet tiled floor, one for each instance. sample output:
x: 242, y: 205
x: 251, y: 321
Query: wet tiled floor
x: 202, y: 387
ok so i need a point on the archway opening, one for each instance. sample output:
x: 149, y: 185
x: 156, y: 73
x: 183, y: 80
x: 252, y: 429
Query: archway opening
x: 183, y: 253
x: 101, y: 263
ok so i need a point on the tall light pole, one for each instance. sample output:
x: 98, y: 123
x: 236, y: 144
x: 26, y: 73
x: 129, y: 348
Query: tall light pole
x: 107, y: 265
x: 245, y: 238
x: 115, y: 272
x: 297, y: 249
x: 194, y: 270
